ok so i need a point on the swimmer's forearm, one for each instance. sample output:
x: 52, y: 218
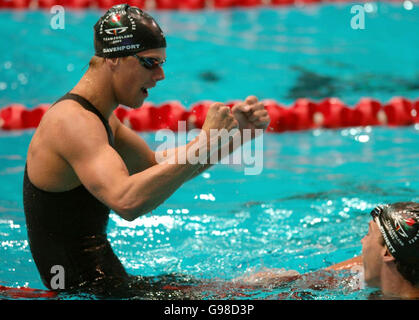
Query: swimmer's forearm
x: 146, y: 190
x: 232, y: 146
x: 347, y: 264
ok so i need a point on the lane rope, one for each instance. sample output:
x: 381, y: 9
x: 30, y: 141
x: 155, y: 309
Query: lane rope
x: 303, y: 114
x: 160, y: 4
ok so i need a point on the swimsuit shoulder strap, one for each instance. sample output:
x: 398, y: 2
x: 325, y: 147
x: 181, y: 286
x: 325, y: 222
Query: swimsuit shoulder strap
x: 88, y: 106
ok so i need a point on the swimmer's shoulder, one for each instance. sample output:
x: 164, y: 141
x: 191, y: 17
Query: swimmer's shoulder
x: 56, y: 135
x: 69, y: 114
x: 67, y: 124
x: 65, y: 111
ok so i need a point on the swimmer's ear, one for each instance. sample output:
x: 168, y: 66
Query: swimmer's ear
x: 112, y: 62
x: 387, y: 256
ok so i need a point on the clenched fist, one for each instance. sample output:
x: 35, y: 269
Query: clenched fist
x: 219, y: 117
x: 251, y: 114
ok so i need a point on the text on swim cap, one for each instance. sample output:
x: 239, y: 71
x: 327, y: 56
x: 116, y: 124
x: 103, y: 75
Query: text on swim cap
x: 121, y: 48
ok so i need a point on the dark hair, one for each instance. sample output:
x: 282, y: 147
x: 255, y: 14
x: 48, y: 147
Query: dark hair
x: 96, y: 61
x: 409, y: 271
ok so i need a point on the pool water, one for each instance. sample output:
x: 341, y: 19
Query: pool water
x: 309, y: 207
x: 283, y: 54
x: 308, y: 210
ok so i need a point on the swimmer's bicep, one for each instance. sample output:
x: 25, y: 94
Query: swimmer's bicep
x: 104, y: 174
x: 98, y: 166
x: 134, y: 151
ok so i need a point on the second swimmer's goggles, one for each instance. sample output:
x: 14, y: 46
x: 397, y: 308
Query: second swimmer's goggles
x: 376, y: 212
x: 149, y: 62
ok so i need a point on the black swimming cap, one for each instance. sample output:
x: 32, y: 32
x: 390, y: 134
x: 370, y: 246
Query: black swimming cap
x: 124, y: 30
x: 399, y: 225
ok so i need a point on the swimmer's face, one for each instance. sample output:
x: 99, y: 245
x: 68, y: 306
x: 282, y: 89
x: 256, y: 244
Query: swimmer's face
x: 132, y: 80
x: 373, y: 251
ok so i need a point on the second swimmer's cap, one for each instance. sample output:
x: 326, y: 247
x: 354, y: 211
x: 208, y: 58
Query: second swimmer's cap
x: 124, y: 30
x: 399, y: 225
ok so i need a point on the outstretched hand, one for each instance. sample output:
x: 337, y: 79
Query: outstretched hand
x: 251, y: 114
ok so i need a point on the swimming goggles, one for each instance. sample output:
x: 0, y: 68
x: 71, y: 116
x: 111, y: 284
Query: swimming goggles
x: 376, y: 212
x: 149, y: 62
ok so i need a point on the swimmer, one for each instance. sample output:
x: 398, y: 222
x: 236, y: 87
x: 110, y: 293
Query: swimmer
x: 390, y: 250
x: 83, y: 162
x: 389, y: 260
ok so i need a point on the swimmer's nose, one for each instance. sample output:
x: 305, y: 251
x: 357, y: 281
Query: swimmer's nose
x: 159, y: 74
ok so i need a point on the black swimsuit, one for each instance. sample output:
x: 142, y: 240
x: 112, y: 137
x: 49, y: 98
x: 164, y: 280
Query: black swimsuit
x: 69, y: 229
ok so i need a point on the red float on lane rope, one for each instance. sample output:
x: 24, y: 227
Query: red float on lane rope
x: 79, y: 4
x: 191, y: 4
x: 283, y: 2
x: 249, y: 3
x: 11, y: 117
x: 303, y: 114
x: 19, y: 4
x: 279, y: 116
x: 139, y: 119
x: 399, y: 112
x: 47, y: 4
x: 168, y: 115
x: 167, y: 4
x: 224, y: 4
x: 368, y: 112
x: 32, y: 118
x: 415, y: 112
x: 331, y: 113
